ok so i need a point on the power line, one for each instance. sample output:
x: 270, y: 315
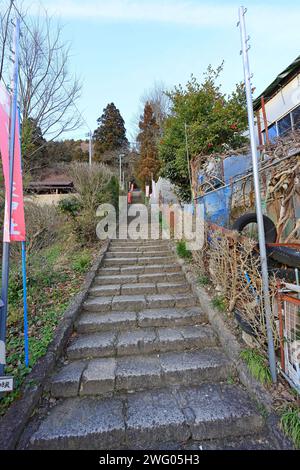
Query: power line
x: 31, y: 34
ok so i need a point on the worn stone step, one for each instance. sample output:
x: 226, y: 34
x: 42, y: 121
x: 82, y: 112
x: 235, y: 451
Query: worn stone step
x: 141, y: 340
x: 151, y: 269
x: 139, y: 288
x: 139, y: 254
x: 204, y: 412
x: 143, y: 260
x: 90, y: 322
x: 136, y: 270
x: 139, y: 302
x: 138, y: 249
x: 104, y: 280
x: 139, y: 243
x: 131, y: 373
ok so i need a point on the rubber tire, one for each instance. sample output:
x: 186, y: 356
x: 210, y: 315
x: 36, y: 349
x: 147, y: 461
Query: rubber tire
x: 243, y: 324
x: 285, y: 255
x: 250, y: 218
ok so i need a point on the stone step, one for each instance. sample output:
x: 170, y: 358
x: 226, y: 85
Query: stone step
x: 90, y: 322
x: 139, y: 254
x: 132, y: 373
x: 153, y: 260
x: 135, y: 278
x: 138, y: 302
x: 137, y: 270
x: 138, y: 243
x: 204, y: 412
x: 139, y: 249
x: 139, y: 288
x: 141, y: 341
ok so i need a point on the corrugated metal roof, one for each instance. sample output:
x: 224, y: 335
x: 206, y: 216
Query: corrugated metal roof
x: 284, y: 77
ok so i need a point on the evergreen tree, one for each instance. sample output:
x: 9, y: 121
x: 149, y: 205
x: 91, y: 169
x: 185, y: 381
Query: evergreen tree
x: 148, y: 164
x: 110, y: 135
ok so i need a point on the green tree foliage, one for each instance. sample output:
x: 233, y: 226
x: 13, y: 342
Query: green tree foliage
x: 214, y: 121
x: 110, y: 134
x: 148, y: 164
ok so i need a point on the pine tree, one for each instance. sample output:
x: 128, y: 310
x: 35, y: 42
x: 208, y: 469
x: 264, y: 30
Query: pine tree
x: 110, y: 135
x: 148, y: 165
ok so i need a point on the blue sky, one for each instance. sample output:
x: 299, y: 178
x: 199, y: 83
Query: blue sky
x: 120, y: 47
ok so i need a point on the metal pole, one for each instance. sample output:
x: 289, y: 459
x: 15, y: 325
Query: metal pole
x: 188, y: 159
x: 6, y: 245
x: 120, y: 161
x: 260, y: 223
x: 90, y: 148
x: 26, y: 342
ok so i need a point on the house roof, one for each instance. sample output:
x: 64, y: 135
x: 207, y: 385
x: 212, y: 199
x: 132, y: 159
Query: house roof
x: 284, y: 77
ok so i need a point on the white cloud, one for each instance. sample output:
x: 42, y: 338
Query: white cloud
x: 186, y: 12
x: 278, y: 23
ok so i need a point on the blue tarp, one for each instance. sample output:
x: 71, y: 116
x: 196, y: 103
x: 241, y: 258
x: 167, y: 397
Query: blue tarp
x: 235, y: 166
x: 217, y: 206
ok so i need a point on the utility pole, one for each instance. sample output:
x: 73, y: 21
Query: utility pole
x: 260, y: 222
x: 6, y: 245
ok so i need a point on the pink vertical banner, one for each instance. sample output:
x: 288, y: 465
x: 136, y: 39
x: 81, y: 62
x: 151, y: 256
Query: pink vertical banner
x: 17, y: 232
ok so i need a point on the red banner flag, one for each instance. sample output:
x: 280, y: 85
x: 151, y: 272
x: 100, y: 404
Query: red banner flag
x: 17, y: 232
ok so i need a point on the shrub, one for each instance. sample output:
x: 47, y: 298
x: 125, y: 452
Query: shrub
x: 95, y: 185
x: 43, y: 224
x: 70, y: 206
x: 182, y: 250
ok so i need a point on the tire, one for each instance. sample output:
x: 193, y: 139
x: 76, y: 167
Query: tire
x: 285, y: 255
x: 244, y: 325
x: 250, y: 218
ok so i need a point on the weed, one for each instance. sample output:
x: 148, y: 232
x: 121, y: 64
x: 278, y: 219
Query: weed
x: 290, y: 424
x: 203, y: 280
x: 182, y: 250
x: 219, y: 302
x: 257, y: 365
x: 81, y: 263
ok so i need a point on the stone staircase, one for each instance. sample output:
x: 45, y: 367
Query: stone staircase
x: 144, y: 368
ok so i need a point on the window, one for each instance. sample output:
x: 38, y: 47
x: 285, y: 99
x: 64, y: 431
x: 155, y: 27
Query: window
x: 284, y: 125
x: 272, y: 130
x: 296, y: 117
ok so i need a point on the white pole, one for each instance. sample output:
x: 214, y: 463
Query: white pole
x: 90, y: 148
x: 260, y: 222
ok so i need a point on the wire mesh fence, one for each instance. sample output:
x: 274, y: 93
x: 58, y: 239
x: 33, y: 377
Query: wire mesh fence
x: 289, y: 323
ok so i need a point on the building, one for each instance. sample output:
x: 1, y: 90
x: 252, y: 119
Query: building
x: 277, y: 108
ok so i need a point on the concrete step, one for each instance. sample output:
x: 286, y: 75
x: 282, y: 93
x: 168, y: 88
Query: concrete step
x: 132, y: 373
x: 141, y: 341
x: 153, y: 260
x: 203, y: 412
x: 90, y: 322
x: 139, y: 302
x: 139, y: 288
x: 135, y: 278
